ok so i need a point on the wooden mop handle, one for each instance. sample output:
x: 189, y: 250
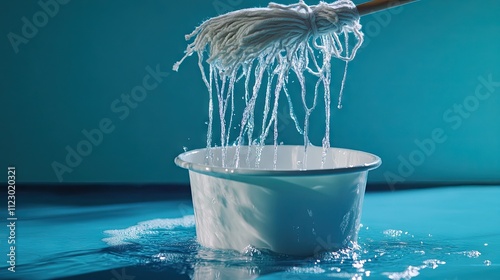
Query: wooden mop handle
x: 379, y: 5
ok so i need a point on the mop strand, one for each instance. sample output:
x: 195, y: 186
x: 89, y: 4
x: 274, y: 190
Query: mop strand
x: 265, y: 45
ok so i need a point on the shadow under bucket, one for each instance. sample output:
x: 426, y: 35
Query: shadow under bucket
x: 287, y: 209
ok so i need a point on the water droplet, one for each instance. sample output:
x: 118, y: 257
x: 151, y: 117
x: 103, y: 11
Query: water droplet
x: 392, y: 232
x: 471, y: 254
x: 185, y: 148
x: 160, y: 257
x: 339, y: 106
x: 485, y: 244
x: 487, y: 262
x: 251, y: 251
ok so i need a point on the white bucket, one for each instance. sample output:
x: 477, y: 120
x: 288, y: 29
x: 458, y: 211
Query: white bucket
x: 287, y: 209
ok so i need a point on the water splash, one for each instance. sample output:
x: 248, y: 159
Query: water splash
x: 124, y: 236
x: 391, y: 253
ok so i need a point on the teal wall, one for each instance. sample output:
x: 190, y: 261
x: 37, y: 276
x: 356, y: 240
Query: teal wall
x: 415, y: 95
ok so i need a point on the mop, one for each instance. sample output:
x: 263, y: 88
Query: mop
x: 265, y: 45
x: 240, y: 36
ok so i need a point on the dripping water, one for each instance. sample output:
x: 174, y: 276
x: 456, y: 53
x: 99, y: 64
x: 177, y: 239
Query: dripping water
x: 269, y: 73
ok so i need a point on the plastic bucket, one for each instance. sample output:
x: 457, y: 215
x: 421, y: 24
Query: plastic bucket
x: 284, y: 208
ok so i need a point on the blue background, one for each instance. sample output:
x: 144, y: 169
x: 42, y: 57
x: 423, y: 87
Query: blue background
x: 417, y: 63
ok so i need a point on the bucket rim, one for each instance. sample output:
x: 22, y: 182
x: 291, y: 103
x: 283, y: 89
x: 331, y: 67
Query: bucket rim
x: 217, y: 171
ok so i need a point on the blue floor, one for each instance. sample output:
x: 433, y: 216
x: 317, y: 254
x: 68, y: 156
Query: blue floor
x: 436, y: 233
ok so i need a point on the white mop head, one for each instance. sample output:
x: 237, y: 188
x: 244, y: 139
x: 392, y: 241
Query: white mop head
x: 240, y: 36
